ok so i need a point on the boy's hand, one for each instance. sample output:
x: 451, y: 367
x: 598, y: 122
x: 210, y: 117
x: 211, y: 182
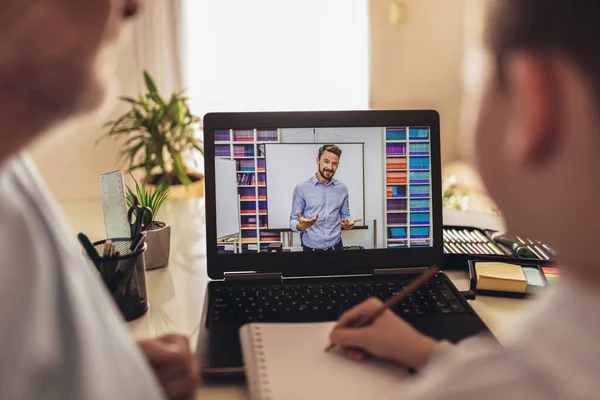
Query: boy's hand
x: 388, y: 337
x: 305, y: 223
x: 174, y: 365
x: 348, y: 223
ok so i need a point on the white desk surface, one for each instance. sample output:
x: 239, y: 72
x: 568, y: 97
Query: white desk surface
x: 176, y: 293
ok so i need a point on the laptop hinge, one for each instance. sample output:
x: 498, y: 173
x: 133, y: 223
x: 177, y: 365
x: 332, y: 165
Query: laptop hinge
x: 258, y: 276
x: 398, y: 271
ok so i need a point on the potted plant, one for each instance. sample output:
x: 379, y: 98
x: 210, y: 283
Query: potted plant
x: 160, y: 134
x: 158, y: 233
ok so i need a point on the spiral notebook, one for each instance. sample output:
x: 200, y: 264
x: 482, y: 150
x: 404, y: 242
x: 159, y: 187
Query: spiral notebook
x: 287, y: 362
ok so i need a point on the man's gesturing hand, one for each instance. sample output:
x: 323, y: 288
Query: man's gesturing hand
x: 348, y: 223
x: 305, y: 223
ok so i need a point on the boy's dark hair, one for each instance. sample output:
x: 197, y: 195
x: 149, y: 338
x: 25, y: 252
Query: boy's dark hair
x: 332, y: 148
x: 571, y: 27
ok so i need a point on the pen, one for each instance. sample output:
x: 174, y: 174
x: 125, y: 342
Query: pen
x: 408, y: 290
x: 88, y: 247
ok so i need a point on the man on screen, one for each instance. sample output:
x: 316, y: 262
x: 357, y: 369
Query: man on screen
x: 320, y: 205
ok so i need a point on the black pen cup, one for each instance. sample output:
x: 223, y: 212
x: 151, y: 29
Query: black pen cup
x: 124, y: 275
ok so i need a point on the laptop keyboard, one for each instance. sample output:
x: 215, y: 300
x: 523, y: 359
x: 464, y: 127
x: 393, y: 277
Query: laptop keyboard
x: 314, y: 303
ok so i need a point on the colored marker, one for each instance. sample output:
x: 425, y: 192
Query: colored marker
x: 457, y: 249
x: 453, y: 236
x: 465, y: 237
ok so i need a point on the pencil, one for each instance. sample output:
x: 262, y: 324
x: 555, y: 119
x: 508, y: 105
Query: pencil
x: 392, y: 301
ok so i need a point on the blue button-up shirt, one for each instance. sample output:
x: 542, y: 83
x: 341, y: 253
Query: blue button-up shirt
x: 331, y: 202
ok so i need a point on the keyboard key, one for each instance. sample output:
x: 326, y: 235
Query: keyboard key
x: 456, y: 307
x: 448, y: 295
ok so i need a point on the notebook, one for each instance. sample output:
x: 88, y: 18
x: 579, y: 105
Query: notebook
x: 501, y: 277
x: 288, y: 362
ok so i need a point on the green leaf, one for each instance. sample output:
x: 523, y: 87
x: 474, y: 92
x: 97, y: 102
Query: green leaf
x: 150, y: 83
x: 129, y: 100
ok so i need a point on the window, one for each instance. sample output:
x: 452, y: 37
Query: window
x: 256, y: 55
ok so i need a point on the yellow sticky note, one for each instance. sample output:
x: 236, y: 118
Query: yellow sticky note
x: 500, y: 277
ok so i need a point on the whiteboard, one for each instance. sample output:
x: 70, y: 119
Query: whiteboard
x: 288, y: 164
x: 228, y: 213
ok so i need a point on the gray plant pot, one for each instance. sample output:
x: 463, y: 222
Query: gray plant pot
x: 159, y: 246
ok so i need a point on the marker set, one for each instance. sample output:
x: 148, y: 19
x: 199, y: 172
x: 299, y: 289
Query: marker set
x: 466, y: 241
x: 463, y: 244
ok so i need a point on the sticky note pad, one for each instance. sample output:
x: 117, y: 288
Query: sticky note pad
x: 500, y: 277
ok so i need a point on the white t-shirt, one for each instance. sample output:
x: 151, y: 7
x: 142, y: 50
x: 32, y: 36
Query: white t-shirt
x: 553, y: 353
x: 61, y: 336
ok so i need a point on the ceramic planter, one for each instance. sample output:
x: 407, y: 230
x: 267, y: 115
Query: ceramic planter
x: 159, y: 246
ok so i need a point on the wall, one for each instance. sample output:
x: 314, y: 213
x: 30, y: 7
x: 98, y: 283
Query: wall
x: 418, y: 62
x: 68, y: 157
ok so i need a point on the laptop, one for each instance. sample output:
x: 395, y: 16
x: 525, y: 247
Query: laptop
x: 310, y: 213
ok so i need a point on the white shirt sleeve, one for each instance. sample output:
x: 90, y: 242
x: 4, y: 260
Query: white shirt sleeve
x: 476, y: 369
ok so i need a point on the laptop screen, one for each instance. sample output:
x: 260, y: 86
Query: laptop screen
x: 323, y: 189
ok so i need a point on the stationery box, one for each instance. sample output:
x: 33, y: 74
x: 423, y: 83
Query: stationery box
x: 463, y: 244
x: 516, y: 279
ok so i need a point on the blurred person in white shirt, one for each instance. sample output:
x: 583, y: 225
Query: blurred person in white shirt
x: 62, y: 336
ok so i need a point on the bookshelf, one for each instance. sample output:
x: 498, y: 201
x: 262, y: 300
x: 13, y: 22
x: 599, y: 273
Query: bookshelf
x: 407, y: 193
x: 247, y: 148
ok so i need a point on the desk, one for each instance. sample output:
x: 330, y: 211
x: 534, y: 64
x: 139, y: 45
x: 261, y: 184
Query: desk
x: 176, y: 293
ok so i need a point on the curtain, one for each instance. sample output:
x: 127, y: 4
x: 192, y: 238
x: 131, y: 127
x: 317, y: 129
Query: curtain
x: 157, y: 42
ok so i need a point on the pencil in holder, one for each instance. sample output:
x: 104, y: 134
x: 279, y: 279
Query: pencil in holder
x: 124, y: 275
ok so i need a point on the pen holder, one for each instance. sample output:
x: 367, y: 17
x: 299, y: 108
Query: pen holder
x: 125, y: 277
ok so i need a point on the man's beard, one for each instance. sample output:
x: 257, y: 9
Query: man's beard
x: 326, y: 177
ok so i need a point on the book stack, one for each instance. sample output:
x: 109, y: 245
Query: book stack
x: 419, y: 191
x: 419, y: 149
x: 247, y: 193
x: 395, y: 149
x: 419, y: 233
x: 270, y: 237
x: 419, y: 218
x: 397, y: 233
x: 262, y: 207
x: 266, y: 135
x: 262, y: 179
x: 245, y: 165
x: 418, y: 134
x: 396, y: 219
x: 395, y: 163
x: 249, y: 222
x: 419, y: 163
x: 396, y: 205
x: 420, y: 205
x: 222, y: 135
x: 248, y: 208
x: 222, y: 150
x: 262, y: 165
x: 262, y: 193
x: 246, y: 135
x: 396, y: 177
x: 243, y: 151
x: 419, y: 177
x: 395, y: 134
x: 396, y: 191
x: 246, y: 179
